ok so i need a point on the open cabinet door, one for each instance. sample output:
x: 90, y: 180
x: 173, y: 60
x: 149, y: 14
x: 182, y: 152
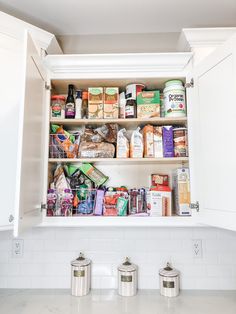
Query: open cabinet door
x: 215, y: 156
x: 29, y: 183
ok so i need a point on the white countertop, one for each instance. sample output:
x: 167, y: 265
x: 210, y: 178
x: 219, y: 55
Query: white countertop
x: 107, y: 301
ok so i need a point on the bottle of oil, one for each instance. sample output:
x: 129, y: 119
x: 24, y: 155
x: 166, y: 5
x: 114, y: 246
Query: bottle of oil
x: 70, y: 103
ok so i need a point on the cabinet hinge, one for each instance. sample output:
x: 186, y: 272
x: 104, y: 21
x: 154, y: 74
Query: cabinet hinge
x: 195, y: 206
x: 47, y: 87
x: 43, y: 206
x: 189, y: 84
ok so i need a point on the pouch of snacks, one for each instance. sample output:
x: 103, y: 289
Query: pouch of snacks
x: 122, y: 150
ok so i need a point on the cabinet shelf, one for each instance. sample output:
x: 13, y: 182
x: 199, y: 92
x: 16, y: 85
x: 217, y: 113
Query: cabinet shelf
x: 123, y: 122
x: 128, y: 221
x: 119, y: 161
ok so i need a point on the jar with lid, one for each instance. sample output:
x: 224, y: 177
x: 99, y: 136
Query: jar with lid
x: 169, y: 281
x: 127, y: 279
x: 80, y: 276
x: 174, y: 99
x: 58, y: 107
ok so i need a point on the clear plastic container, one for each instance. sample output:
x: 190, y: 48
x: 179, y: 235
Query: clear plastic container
x: 174, y: 99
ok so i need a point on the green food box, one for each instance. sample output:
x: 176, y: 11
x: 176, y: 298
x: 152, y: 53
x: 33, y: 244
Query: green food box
x: 148, y: 104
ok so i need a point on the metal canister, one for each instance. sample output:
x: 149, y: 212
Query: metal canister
x: 169, y: 281
x: 127, y: 279
x: 80, y: 276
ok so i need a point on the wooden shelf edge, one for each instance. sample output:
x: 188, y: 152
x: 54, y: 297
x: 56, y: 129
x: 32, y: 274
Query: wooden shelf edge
x: 174, y: 160
x: 164, y: 121
x: 92, y: 221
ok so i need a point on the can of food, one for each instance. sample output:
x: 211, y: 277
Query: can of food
x: 180, y: 136
x: 132, y: 90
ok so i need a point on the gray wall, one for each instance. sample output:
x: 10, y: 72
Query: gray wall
x: 156, y: 42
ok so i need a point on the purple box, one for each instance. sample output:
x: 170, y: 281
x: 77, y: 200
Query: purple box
x: 98, y: 208
x: 168, y: 141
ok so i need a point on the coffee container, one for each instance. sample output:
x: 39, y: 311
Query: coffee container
x: 127, y: 279
x: 169, y: 281
x: 80, y: 276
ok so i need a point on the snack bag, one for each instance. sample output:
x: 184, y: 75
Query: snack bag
x: 64, y: 141
x: 136, y: 144
x: 122, y: 150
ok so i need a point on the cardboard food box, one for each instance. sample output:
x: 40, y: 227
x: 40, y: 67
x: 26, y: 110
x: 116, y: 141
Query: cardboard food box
x: 148, y: 141
x: 159, y: 201
x: 168, y: 141
x: 148, y: 104
x: 160, y: 179
x: 111, y: 103
x: 158, y: 143
x: 95, y: 102
x: 181, y: 191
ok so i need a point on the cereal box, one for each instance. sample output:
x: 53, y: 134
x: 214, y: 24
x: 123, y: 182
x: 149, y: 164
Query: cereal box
x: 148, y: 104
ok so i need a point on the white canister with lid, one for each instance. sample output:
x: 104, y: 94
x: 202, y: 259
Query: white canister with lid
x: 127, y: 279
x: 174, y: 99
x: 80, y: 276
x: 169, y: 281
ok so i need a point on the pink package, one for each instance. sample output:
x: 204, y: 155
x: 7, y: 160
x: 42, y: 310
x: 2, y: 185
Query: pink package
x: 98, y: 208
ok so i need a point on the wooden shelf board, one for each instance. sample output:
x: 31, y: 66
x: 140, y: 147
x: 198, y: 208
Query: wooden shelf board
x: 128, y: 221
x: 174, y: 160
x: 154, y: 121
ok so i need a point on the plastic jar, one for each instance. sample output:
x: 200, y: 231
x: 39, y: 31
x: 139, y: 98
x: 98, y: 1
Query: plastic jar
x: 174, y: 99
x: 58, y: 107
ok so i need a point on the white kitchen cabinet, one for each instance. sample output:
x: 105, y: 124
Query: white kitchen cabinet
x: 12, y: 81
x: 211, y: 159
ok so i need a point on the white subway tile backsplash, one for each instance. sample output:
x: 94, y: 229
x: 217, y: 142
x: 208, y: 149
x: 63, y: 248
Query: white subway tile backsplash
x: 48, y: 253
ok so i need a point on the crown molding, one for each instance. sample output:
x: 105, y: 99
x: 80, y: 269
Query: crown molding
x: 13, y: 27
x: 97, y: 64
x: 205, y: 37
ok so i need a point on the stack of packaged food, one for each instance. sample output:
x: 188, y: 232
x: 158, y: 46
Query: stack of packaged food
x: 135, y: 101
x: 81, y: 191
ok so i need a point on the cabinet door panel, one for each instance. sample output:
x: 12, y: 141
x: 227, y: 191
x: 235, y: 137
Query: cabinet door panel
x: 215, y: 83
x: 30, y: 149
x: 10, y: 65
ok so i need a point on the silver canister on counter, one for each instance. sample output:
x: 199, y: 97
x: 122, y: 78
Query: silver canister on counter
x: 127, y: 279
x: 169, y: 281
x: 80, y: 276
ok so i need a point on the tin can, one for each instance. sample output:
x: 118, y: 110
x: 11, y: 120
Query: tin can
x: 127, y: 279
x: 180, y: 136
x: 80, y: 276
x: 133, y: 89
x: 169, y: 281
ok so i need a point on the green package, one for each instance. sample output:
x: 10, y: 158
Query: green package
x: 93, y: 174
x: 121, y: 206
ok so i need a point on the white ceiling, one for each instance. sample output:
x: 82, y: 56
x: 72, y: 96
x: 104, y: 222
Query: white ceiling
x: 73, y: 17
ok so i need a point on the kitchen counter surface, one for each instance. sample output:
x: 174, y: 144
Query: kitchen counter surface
x: 107, y: 301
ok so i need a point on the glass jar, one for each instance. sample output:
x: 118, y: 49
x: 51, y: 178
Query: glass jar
x: 58, y: 107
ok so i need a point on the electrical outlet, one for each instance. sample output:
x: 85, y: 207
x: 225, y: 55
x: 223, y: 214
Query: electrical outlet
x: 17, y: 248
x: 197, y: 248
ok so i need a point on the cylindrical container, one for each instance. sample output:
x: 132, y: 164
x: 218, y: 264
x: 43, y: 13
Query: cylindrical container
x: 127, y: 279
x: 174, y: 99
x: 169, y: 281
x: 180, y: 142
x: 80, y: 276
x: 132, y: 90
x: 58, y: 107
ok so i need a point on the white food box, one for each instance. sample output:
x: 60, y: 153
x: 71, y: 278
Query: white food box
x: 159, y: 203
x: 181, y: 191
x: 158, y: 143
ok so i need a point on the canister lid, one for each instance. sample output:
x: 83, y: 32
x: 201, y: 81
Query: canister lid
x: 168, y: 271
x: 127, y: 266
x: 81, y: 261
x: 173, y: 82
